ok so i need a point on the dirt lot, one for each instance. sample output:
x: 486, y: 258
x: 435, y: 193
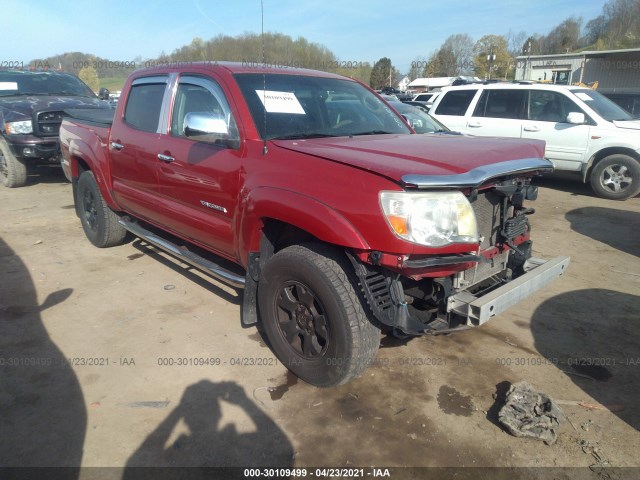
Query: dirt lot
x: 93, y: 344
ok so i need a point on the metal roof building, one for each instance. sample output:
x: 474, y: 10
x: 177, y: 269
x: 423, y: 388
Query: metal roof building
x: 616, y: 71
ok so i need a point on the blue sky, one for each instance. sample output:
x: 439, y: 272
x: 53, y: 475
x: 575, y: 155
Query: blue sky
x: 356, y: 30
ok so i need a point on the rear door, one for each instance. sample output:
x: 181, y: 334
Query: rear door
x: 498, y: 113
x: 133, y: 144
x: 199, y: 180
x: 566, y: 143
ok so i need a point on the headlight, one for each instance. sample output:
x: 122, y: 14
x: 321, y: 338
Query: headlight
x: 433, y: 219
x: 22, y: 127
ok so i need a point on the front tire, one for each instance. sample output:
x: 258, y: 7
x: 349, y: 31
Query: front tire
x: 616, y: 177
x: 99, y: 223
x: 13, y: 170
x: 312, y: 316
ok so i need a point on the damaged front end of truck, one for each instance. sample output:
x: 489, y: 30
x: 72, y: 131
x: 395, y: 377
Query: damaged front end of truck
x: 418, y: 294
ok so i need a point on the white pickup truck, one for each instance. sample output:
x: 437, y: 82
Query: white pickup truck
x: 584, y: 131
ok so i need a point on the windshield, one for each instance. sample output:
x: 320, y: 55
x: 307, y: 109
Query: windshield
x: 41, y: 83
x: 299, y: 106
x: 602, y: 105
x: 420, y: 121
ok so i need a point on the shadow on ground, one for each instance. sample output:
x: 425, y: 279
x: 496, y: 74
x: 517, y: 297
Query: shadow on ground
x: 592, y: 335
x: 564, y: 182
x: 616, y: 228
x: 254, y: 441
x: 43, y: 416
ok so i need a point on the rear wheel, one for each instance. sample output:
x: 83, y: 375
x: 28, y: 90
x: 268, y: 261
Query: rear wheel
x: 13, y: 170
x: 99, y: 223
x: 313, y: 317
x: 616, y: 177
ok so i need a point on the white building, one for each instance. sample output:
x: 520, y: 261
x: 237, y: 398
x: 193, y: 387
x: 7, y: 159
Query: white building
x: 402, y: 85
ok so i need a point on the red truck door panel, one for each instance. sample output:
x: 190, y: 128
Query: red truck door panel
x: 134, y: 145
x: 199, y: 180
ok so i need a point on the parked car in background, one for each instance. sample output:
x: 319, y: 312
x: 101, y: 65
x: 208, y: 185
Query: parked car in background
x: 584, y: 131
x: 419, y: 120
x: 425, y: 97
x: 419, y: 105
x: 399, y: 94
x: 32, y: 105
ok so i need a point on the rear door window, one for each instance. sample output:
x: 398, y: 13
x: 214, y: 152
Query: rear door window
x: 501, y: 104
x: 455, y: 102
x: 144, y: 104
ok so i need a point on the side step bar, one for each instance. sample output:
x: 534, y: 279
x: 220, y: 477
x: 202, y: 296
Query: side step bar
x: 183, y: 253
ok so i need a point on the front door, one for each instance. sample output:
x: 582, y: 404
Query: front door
x: 199, y: 180
x: 547, y: 120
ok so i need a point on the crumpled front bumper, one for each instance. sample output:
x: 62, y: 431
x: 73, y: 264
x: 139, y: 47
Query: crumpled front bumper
x: 478, y: 310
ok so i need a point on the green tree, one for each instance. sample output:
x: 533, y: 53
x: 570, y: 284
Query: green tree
x: 564, y: 38
x: 381, y: 74
x: 492, y: 58
x: 89, y: 76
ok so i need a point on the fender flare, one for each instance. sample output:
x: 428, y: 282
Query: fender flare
x: 306, y: 213
x: 94, y: 157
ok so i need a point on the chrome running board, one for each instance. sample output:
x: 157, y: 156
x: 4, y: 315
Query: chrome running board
x: 183, y: 253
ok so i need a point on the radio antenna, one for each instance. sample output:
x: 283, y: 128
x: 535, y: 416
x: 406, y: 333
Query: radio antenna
x: 264, y: 80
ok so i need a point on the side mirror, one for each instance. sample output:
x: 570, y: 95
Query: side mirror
x: 103, y: 94
x: 205, y: 126
x: 575, y: 118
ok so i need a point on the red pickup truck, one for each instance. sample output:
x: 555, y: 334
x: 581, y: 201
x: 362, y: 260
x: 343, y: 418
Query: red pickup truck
x: 312, y: 194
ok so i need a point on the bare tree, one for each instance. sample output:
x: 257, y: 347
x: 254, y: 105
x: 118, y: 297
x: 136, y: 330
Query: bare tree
x: 457, y: 53
x: 516, y: 42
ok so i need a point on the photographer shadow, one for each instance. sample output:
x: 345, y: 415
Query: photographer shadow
x: 210, y: 443
x: 43, y: 416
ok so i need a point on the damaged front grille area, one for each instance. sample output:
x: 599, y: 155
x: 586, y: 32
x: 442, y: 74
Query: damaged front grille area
x: 487, y: 208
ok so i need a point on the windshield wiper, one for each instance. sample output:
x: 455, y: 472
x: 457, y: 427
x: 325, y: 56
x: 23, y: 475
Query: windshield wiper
x: 295, y: 136
x: 372, y: 132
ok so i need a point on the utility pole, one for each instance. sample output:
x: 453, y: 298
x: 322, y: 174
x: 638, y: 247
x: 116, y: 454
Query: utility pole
x: 491, y: 58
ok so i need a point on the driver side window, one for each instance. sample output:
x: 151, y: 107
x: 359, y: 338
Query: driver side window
x: 199, y: 95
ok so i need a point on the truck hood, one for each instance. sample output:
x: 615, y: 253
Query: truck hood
x: 21, y: 107
x: 629, y: 124
x: 407, y: 159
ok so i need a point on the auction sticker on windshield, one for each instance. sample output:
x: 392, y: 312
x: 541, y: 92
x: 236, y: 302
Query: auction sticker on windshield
x: 8, y: 85
x: 280, y: 102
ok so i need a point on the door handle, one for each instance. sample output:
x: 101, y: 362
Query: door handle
x: 117, y: 146
x: 165, y: 158
x: 475, y: 124
x: 531, y: 128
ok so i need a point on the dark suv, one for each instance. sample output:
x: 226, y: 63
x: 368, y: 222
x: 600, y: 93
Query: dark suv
x: 32, y: 105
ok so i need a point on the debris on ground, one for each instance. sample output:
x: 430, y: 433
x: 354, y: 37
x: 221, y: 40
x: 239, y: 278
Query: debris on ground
x: 532, y: 414
x: 602, y: 464
x: 614, y: 407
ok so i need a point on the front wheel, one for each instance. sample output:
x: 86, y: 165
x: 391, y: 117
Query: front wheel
x: 13, y: 170
x: 99, y: 223
x: 616, y: 177
x: 312, y: 316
